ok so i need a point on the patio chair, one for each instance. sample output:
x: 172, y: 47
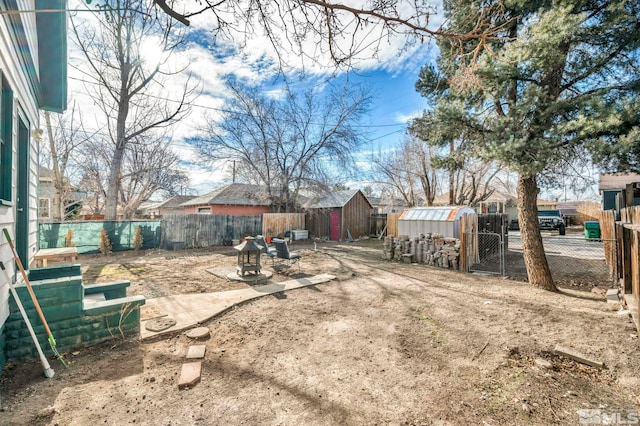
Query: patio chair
x: 269, y: 251
x: 283, y: 253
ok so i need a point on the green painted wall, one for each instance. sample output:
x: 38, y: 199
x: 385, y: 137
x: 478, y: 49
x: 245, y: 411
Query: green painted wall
x: 86, y: 235
x: 73, y: 322
x: 3, y: 358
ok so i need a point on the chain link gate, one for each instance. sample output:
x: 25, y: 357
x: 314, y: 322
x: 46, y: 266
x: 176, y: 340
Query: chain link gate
x: 485, y: 252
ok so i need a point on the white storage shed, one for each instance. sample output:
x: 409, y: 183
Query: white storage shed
x: 432, y: 220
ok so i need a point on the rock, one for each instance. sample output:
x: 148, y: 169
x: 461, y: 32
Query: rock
x: 49, y: 411
x: 196, y: 351
x: 601, y: 291
x: 612, y: 295
x: 198, y: 333
x: 190, y: 374
x: 160, y: 324
x: 543, y: 363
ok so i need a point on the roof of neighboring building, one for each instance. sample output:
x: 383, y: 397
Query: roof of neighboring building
x: 45, y: 174
x: 333, y: 199
x: 568, y: 208
x: 386, y: 201
x: 446, y: 214
x: 510, y: 200
x: 502, y: 197
x: 174, y: 202
x: 613, y: 181
x: 239, y: 194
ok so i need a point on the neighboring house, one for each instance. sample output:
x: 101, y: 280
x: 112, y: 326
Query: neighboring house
x: 47, y: 193
x: 500, y: 202
x: 171, y: 205
x: 336, y: 213
x: 33, y: 76
x: 237, y: 199
x: 386, y: 205
x: 619, y: 190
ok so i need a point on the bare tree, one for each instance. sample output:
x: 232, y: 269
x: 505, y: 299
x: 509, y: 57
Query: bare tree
x: 474, y: 182
x: 127, y: 84
x: 409, y: 171
x: 343, y: 30
x: 64, y: 137
x: 95, y: 172
x: 415, y: 172
x: 286, y: 144
x: 149, y: 167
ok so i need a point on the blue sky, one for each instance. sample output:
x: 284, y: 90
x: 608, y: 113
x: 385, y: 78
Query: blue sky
x: 390, y: 77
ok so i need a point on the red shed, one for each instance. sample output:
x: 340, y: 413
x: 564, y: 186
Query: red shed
x: 336, y: 213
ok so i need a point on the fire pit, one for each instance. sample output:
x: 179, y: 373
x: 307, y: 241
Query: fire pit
x: 248, y: 256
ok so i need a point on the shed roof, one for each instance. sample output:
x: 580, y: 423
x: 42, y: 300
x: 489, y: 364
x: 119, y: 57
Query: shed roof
x: 175, y: 201
x: 444, y: 214
x: 612, y: 181
x: 239, y: 194
x: 333, y: 199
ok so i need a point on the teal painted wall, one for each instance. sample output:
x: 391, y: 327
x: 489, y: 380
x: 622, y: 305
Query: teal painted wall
x: 73, y: 322
x: 86, y: 235
x: 3, y: 358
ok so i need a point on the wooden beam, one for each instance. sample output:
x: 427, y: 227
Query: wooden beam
x: 577, y: 356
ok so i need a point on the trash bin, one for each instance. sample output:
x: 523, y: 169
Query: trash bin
x: 592, y: 230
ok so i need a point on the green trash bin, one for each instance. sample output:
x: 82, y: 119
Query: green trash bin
x: 592, y: 230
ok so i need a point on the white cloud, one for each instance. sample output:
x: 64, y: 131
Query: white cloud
x: 405, y: 118
x: 254, y: 60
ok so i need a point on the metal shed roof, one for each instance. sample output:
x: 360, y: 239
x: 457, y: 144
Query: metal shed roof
x: 443, y: 214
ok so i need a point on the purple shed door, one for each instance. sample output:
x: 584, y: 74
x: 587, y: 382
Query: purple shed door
x: 334, y: 225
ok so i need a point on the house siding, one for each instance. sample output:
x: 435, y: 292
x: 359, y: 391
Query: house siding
x: 317, y: 221
x: 24, y: 102
x: 355, y: 217
x: 19, y: 67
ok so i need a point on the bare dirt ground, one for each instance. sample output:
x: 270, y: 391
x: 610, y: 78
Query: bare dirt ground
x: 384, y: 343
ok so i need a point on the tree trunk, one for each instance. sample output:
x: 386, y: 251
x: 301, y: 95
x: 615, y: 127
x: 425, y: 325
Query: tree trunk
x: 113, y: 187
x: 534, y: 258
x: 451, y: 177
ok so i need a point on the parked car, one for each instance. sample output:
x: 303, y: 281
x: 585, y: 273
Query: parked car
x: 551, y: 220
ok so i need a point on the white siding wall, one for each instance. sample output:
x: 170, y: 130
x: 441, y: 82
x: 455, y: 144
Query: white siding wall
x: 29, y: 22
x: 24, y: 101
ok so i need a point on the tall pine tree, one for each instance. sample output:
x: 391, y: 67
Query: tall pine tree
x: 562, y: 78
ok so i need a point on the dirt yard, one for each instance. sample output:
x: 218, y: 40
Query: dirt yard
x: 384, y: 343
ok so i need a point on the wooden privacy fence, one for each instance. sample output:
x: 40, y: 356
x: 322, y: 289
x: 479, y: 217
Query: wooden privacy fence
x: 469, y: 246
x: 276, y: 224
x: 385, y: 224
x: 627, y: 262
x: 201, y: 230
x: 392, y: 224
x: 609, y: 240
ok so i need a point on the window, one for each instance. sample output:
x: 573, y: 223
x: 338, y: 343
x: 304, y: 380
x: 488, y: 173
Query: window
x: 44, y: 208
x: 6, y: 139
x: 204, y: 210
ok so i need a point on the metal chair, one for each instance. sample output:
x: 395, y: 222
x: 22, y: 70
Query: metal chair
x: 269, y: 251
x: 283, y: 253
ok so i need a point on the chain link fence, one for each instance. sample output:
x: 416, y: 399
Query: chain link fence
x: 573, y: 260
x: 489, y: 256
